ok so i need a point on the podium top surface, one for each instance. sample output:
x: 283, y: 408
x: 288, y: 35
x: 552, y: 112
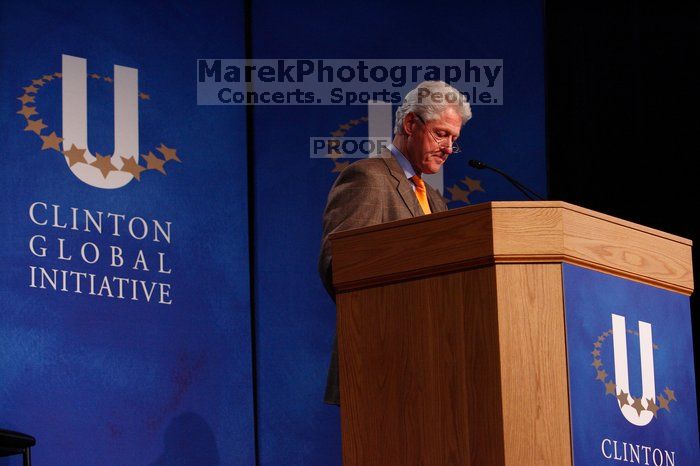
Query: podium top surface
x: 510, y: 232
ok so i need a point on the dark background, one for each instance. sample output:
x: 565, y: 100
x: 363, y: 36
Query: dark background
x: 622, y: 122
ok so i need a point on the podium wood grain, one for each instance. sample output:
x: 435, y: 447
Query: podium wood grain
x: 451, y: 331
x: 534, y: 376
x: 424, y: 359
x: 511, y: 232
x: 455, y: 351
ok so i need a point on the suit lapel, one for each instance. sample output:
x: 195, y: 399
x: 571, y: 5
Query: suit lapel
x: 403, y: 186
x: 432, y: 200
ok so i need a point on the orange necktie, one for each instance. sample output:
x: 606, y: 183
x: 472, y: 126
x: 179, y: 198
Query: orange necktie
x: 421, y: 194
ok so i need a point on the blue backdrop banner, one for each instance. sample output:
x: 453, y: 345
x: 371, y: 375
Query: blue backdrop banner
x: 295, y: 318
x: 125, y: 285
x: 125, y: 330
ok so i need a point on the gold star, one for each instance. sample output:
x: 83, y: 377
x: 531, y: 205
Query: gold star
x: 637, y: 405
x: 458, y: 194
x: 154, y: 163
x: 655, y: 346
x: 26, y: 99
x: 670, y: 394
x: 51, y: 141
x: 610, y: 388
x: 596, y: 363
x: 30, y: 89
x: 622, y: 398
x: 103, y: 164
x: 168, y: 153
x: 474, y: 185
x: 133, y: 167
x: 27, y: 111
x: 601, y: 338
x: 38, y: 82
x: 58, y: 75
x: 651, y: 406
x: 339, y: 166
x: 364, y: 118
x: 338, y: 133
x: 663, y: 403
x: 354, y: 122
x: 94, y: 76
x: 597, y: 344
x: 345, y: 127
x: 48, y: 77
x: 35, y: 125
x: 144, y: 96
x: 595, y: 353
x: 108, y: 79
x: 602, y: 375
x: 75, y: 155
x: 629, y: 331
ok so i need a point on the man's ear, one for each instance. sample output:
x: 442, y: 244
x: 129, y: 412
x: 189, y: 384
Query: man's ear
x: 409, y: 123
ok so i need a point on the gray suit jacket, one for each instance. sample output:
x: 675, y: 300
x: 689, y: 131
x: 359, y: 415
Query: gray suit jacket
x: 367, y: 192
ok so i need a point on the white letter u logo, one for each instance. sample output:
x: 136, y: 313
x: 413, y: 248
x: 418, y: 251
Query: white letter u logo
x: 126, y: 121
x: 644, y: 417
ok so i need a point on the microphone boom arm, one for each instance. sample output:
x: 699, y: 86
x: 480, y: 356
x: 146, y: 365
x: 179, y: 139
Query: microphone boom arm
x: 529, y: 193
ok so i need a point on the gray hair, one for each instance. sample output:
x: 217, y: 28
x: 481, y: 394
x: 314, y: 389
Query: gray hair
x: 428, y: 100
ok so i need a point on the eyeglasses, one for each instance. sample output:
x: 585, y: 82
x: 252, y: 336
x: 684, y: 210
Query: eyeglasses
x: 438, y: 140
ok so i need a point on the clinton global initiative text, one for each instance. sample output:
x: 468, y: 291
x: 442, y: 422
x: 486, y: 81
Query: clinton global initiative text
x: 74, y: 249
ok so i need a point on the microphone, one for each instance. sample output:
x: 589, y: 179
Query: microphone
x: 479, y: 165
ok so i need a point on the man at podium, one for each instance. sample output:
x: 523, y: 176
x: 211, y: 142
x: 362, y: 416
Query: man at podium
x: 390, y: 187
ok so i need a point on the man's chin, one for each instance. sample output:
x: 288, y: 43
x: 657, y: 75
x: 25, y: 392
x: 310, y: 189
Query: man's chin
x: 432, y: 169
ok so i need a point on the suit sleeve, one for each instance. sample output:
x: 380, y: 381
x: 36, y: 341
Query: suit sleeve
x: 355, y: 201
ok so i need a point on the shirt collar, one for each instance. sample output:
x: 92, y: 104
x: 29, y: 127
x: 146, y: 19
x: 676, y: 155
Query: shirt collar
x: 403, y: 161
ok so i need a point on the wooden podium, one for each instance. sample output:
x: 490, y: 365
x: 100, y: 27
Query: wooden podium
x: 451, y: 328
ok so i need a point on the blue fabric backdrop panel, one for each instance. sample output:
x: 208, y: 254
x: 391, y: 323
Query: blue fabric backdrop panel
x: 102, y: 376
x: 665, y: 427
x: 295, y: 319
